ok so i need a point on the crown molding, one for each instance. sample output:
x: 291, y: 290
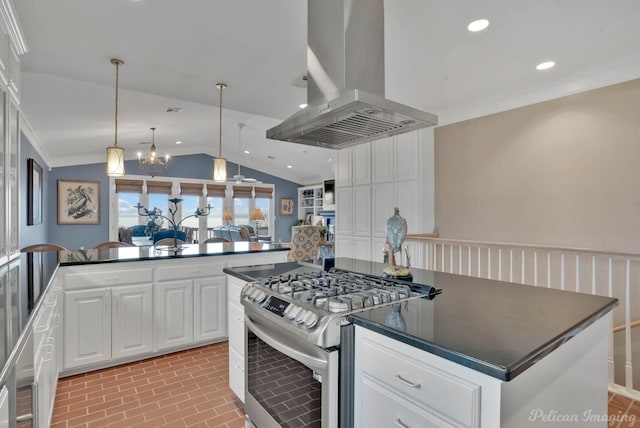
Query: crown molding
x: 10, y: 20
x: 27, y: 129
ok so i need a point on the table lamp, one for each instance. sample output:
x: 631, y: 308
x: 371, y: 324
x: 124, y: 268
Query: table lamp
x: 256, y: 215
x: 227, y: 216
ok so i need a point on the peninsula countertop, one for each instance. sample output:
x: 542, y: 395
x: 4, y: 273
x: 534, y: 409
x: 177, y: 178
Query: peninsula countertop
x: 494, y: 327
x: 132, y: 254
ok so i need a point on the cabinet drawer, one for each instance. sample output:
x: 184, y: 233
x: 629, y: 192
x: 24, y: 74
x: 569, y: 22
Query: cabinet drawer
x: 236, y: 327
x: 382, y: 408
x: 97, y: 278
x: 428, y: 386
x: 206, y: 268
x: 235, y: 288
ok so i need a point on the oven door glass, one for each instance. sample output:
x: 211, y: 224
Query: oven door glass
x: 282, y: 387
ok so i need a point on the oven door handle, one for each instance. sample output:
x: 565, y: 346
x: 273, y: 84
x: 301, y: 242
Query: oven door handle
x: 285, y: 346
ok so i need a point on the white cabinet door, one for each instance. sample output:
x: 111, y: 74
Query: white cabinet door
x: 361, y: 248
x: 4, y: 408
x: 362, y: 164
x: 407, y: 156
x: 382, y: 207
x: 361, y: 210
x: 409, y: 204
x: 174, y: 314
x: 209, y: 309
x: 87, y: 327
x: 344, y: 211
x: 132, y: 320
x: 344, y: 246
x: 343, y: 175
x: 382, y: 160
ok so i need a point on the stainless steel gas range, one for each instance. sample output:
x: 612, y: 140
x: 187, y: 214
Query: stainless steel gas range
x: 299, y: 344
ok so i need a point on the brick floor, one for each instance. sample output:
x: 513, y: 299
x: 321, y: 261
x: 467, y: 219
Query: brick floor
x: 187, y: 389
x: 183, y: 389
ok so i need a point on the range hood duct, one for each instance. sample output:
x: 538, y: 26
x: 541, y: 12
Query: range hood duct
x: 345, y: 80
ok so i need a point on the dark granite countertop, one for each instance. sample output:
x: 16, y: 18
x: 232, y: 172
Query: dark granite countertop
x: 494, y: 327
x: 130, y: 254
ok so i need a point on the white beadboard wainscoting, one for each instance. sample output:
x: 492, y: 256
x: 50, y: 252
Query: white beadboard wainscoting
x: 572, y: 269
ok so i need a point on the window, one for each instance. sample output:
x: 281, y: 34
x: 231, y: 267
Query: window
x: 240, y: 199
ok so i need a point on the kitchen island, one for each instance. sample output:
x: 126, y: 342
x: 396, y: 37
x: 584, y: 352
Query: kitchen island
x: 482, y: 353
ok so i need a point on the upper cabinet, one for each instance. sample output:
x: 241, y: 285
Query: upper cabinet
x: 396, y: 158
x: 12, y: 46
x: 354, y: 166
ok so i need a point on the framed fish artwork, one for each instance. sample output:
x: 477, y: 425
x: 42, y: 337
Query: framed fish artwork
x: 78, y: 202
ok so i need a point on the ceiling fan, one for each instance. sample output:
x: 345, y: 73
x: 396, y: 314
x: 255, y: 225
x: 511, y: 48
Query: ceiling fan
x: 239, y: 178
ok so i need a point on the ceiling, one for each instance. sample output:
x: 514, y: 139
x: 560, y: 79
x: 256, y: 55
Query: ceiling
x: 176, y: 51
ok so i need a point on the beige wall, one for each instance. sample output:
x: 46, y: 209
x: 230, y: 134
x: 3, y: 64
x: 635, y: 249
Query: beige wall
x: 564, y: 172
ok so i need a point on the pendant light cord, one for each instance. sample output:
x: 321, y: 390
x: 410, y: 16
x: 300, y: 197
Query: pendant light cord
x: 221, y: 86
x: 117, y: 63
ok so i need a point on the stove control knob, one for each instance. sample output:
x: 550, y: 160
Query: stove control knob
x: 293, y: 312
x: 260, y: 296
x: 253, y: 293
x: 310, y: 319
x: 301, y: 315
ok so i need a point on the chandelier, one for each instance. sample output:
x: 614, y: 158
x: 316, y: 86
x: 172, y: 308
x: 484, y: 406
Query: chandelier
x: 115, y: 154
x: 219, y: 163
x: 152, y: 165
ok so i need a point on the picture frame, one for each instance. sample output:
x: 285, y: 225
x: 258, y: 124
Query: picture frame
x: 286, y: 206
x: 34, y: 192
x: 78, y: 202
x: 308, y: 218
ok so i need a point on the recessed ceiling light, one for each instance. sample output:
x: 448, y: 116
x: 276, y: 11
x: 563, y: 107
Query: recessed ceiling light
x: 303, y: 106
x: 247, y: 151
x: 478, y: 25
x: 178, y: 142
x: 329, y: 160
x: 545, y: 65
x: 289, y: 166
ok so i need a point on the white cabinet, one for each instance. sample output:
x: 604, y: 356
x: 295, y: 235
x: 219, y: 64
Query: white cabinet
x: 236, y: 336
x: 132, y: 320
x: 396, y: 384
x: 4, y: 407
x: 361, y: 209
x: 174, y: 314
x: 209, y: 310
x: 354, y: 166
x: 87, y: 327
x: 344, y: 211
x: 108, y: 314
x: 191, y: 309
x: 46, y: 337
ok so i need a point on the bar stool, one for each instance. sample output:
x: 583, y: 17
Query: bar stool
x: 38, y: 248
x: 112, y: 244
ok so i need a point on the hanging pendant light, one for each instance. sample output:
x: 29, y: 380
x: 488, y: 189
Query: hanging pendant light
x: 115, y: 154
x: 219, y: 163
x: 153, y: 165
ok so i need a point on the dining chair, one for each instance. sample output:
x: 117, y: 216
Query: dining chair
x: 169, y: 242
x: 178, y: 234
x: 112, y: 244
x: 215, y: 239
x: 38, y: 248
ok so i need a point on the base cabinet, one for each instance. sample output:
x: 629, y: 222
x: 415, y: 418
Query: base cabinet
x: 132, y: 320
x: 396, y: 384
x: 174, y: 315
x: 209, y: 309
x: 87, y: 327
x: 236, y: 337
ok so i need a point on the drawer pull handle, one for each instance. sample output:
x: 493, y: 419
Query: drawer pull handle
x: 407, y: 382
x: 399, y: 423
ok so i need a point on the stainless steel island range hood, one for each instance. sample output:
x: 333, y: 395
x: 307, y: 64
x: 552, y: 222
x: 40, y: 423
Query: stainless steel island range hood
x: 345, y: 80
